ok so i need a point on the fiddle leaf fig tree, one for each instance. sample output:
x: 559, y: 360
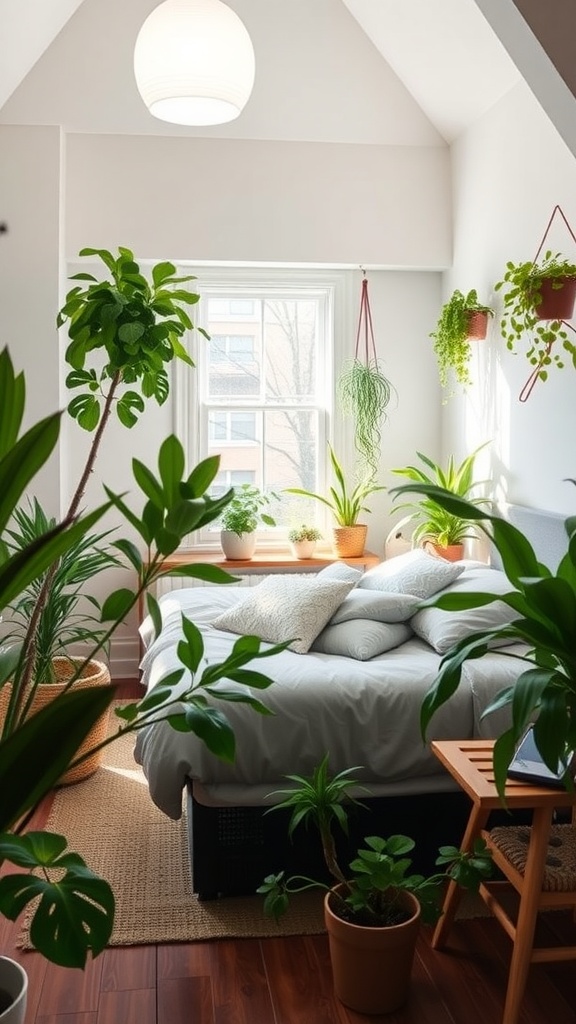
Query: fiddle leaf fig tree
x: 72, y: 914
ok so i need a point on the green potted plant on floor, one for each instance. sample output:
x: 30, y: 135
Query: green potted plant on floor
x: 445, y: 531
x: 373, y: 909
x: 346, y: 503
x: 240, y: 520
x: 545, y: 603
x: 463, y: 317
x: 303, y: 540
x: 537, y: 299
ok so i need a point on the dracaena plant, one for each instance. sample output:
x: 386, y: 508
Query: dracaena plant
x: 345, y: 502
x: 368, y: 890
x: 545, y: 606
x: 74, y: 912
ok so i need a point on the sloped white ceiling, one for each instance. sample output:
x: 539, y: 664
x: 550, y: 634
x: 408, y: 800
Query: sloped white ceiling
x: 27, y: 28
x: 405, y: 72
x: 318, y: 78
x: 444, y: 51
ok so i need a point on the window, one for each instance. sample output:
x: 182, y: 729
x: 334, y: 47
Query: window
x: 261, y: 396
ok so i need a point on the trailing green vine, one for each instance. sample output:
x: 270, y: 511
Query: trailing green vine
x: 365, y: 393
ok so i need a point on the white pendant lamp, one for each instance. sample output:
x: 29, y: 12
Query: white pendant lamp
x: 194, y: 62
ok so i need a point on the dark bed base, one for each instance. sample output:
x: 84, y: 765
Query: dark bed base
x: 232, y: 849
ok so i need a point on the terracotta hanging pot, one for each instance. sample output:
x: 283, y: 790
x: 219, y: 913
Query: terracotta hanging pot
x: 477, y: 324
x: 558, y: 295
x: 372, y: 967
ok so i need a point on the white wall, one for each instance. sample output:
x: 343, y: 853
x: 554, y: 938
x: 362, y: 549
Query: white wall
x: 509, y: 171
x: 183, y: 199
x: 30, y: 181
x: 217, y: 199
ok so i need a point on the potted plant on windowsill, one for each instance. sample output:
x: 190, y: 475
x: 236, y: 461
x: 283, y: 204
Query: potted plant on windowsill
x: 537, y: 299
x: 373, y: 910
x: 462, y: 318
x: 303, y: 540
x: 435, y: 525
x: 240, y: 520
x: 346, y: 504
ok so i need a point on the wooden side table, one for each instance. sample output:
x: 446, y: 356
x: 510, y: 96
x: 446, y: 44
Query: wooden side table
x: 470, y: 763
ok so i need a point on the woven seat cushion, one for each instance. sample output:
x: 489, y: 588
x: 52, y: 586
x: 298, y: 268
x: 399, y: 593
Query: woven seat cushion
x: 560, y: 869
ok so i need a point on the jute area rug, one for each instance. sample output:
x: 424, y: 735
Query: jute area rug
x: 110, y: 820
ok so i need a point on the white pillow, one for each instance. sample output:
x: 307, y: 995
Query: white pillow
x: 286, y: 608
x: 442, y: 629
x: 361, y: 639
x: 340, y: 571
x: 377, y: 605
x: 415, y: 573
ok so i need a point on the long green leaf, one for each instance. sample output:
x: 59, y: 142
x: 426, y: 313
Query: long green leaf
x: 23, y: 461
x: 12, y: 397
x: 29, y: 766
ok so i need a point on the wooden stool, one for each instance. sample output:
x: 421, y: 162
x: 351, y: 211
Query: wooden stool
x: 521, y: 855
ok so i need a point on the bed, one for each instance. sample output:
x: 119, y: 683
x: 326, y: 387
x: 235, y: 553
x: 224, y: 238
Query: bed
x: 353, y: 690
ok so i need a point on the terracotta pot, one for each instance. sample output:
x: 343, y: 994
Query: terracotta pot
x: 96, y: 673
x: 238, y: 547
x: 349, y: 541
x: 13, y: 991
x: 477, y: 325
x: 557, y: 303
x: 372, y: 966
x: 451, y: 552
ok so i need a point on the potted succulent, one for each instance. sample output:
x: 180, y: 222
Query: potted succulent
x: 372, y: 910
x: 345, y: 504
x: 537, y: 299
x: 463, y: 317
x: 303, y: 540
x: 240, y: 519
x: 545, y: 603
x: 435, y: 525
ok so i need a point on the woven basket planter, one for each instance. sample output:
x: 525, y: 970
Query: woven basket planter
x: 96, y: 673
x: 349, y: 541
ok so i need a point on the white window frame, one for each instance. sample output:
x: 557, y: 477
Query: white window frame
x: 189, y: 423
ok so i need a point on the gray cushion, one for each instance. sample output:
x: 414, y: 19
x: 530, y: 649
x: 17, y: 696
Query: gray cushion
x: 415, y: 573
x: 377, y: 605
x: 442, y: 629
x: 340, y: 571
x: 361, y: 638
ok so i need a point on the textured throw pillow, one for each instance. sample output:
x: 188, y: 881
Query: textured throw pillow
x: 442, y: 629
x: 286, y: 608
x: 340, y: 571
x: 377, y: 605
x: 361, y: 639
x: 415, y: 573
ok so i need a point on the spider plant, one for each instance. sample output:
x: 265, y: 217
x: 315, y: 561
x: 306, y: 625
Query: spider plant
x: 345, y: 503
x: 60, y: 623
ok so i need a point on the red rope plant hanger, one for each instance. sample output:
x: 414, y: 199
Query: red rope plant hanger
x: 539, y: 371
x: 364, y: 389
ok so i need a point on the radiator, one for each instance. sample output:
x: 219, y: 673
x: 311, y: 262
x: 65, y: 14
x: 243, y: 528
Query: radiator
x: 247, y: 579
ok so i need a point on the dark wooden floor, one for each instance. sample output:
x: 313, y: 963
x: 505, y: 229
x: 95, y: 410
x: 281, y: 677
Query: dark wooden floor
x: 288, y: 981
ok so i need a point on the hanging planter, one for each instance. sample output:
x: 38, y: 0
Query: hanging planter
x: 538, y: 300
x: 461, y: 319
x: 365, y: 391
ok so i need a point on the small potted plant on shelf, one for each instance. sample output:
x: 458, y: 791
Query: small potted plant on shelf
x: 445, y: 531
x: 345, y: 504
x: 463, y: 317
x: 240, y: 520
x: 372, y: 910
x: 303, y: 540
x: 537, y: 299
